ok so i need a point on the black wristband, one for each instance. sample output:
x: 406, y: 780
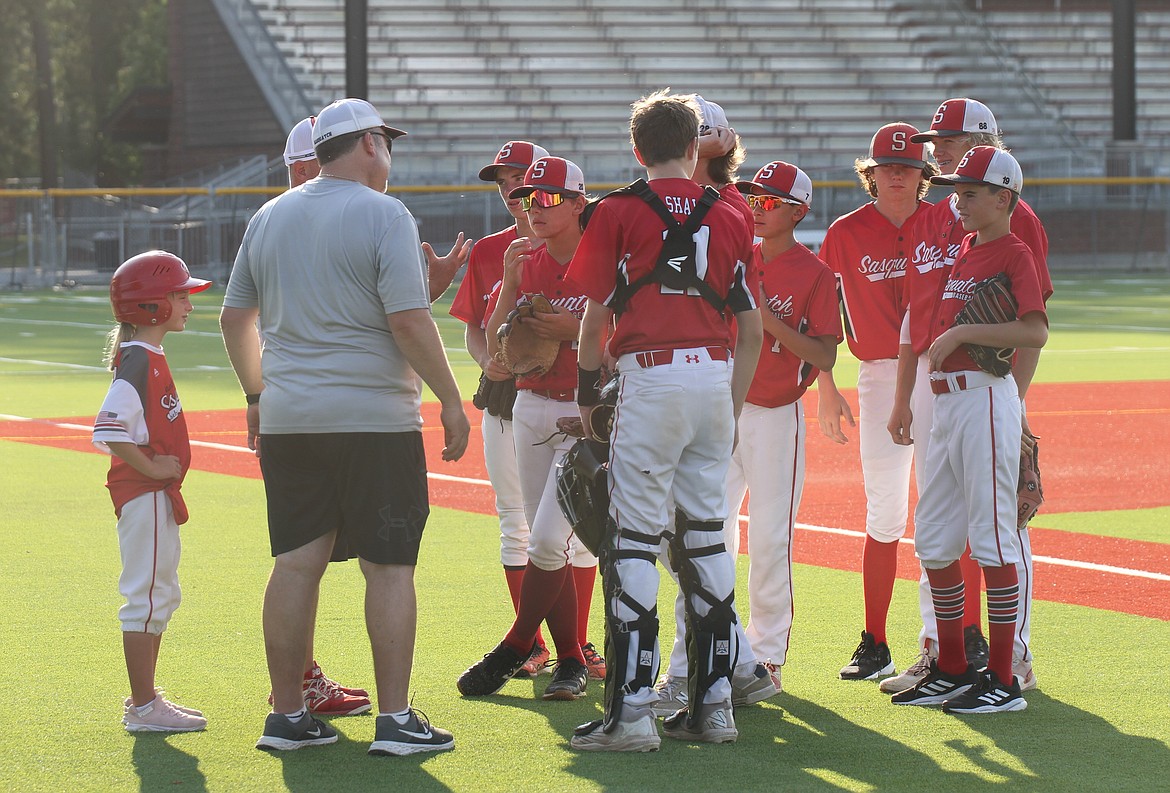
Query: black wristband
x: 252, y: 399
x: 588, y: 387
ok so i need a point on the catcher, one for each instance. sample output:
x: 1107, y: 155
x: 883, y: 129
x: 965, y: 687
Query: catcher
x: 532, y: 326
x: 972, y: 465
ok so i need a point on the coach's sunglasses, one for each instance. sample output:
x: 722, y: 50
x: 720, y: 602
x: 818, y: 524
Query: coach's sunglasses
x: 543, y: 199
x: 389, y: 140
x: 769, y: 202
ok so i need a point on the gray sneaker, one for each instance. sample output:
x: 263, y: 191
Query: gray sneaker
x: 752, y: 683
x: 414, y: 737
x: 716, y: 724
x: 672, y: 696
x: 282, y: 735
x: 912, y: 676
x: 636, y: 731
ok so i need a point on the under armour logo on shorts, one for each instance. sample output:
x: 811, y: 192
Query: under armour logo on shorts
x: 692, y: 359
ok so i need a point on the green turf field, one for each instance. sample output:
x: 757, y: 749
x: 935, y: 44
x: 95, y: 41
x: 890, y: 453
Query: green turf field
x: 1099, y: 720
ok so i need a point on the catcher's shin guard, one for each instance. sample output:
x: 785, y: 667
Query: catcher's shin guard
x: 712, y: 647
x: 621, y: 636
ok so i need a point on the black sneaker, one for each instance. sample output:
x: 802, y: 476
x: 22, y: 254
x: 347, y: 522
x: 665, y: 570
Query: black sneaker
x: 281, y: 734
x: 978, y: 653
x: 414, y: 737
x: 870, y: 660
x: 489, y: 675
x: 569, y: 679
x: 989, y: 695
x: 937, y: 687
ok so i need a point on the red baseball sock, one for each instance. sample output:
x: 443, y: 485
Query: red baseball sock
x: 946, y: 589
x: 879, y: 563
x: 1003, y: 596
x: 583, y: 580
x: 973, y: 585
x: 515, y: 578
x: 546, y: 595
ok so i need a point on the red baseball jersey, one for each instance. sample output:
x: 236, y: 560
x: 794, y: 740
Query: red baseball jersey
x: 938, y: 235
x: 800, y: 291
x: 976, y: 263
x: 621, y: 244
x: 736, y: 201
x: 142, y: 407
x: 485, y: 268
x: 868, y: 254
x: 544, y: 274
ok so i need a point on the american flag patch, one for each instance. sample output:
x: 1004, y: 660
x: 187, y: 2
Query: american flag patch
x: 107, y: 414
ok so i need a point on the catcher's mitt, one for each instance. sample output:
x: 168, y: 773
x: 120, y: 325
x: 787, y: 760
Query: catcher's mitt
x: 522, y: 352
x: 991, y: 303
x: 600, y: 418
x: 1030, y: 492
x: 495, y: 396
x: 583, y: 493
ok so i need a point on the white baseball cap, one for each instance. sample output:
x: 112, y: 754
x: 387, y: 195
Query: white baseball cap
x: 959, y: 117
x: 299, y: 145
x: 713, y: 115
x: 553, y: 175
x: 781, y: 179
x: 986, y: 165
x: 349, y: 115
x: 894, y: 144
x: 513, y: 154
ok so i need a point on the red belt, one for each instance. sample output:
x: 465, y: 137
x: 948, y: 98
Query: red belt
x: 556, y: 396
x: 660, y: 357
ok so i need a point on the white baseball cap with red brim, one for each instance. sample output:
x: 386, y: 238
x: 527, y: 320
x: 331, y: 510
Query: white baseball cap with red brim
x: 985, y: 165
x: 781, y: 179
x: 552, y: 175
x: 959, y: 117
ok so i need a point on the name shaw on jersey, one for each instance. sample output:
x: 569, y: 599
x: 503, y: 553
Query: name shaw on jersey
x: 882, y: 269
x: 679, y: 205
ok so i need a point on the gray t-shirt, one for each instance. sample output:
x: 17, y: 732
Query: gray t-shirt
x: 325, y: 263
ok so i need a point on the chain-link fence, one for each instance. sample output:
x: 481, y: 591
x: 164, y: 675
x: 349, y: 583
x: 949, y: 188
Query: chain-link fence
x: 67, y: 237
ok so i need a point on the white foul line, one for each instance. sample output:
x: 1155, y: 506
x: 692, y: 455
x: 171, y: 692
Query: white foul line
x: 1052, y: 560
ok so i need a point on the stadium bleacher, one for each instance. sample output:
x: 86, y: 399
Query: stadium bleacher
x: 801, y: 80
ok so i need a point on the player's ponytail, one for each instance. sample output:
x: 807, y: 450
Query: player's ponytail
x: 118, y: 334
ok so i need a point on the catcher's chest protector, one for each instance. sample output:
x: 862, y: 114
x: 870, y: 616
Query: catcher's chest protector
x: 676, y: 267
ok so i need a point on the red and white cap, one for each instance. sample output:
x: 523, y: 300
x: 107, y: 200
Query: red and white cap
x: 894, y: 144
x: 349, y: 115
x: 986, y: 165
x: 513, y: 154
x: 299, y: 145
x: 781, y: 179
x: 959, y: 117
x: 553, y: 175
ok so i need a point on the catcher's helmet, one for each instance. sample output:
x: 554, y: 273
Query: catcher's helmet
x: 139, y: 288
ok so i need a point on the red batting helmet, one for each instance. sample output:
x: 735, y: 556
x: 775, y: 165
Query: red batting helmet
x: 140, y: 286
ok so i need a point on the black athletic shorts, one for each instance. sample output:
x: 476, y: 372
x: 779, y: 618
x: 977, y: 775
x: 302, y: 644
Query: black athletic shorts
x: 370, y: 486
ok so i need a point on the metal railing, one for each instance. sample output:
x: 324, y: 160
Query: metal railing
x: 70, y: 236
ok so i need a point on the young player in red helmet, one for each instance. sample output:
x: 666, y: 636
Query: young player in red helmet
x: 141, y: 424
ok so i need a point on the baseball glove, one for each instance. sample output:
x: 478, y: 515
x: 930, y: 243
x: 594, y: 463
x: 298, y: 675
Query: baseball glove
x: 522, y: 352
x: 583, y: 493
x: 495, y: 396
x: 991, y: 303
x: 600, y: 418
x: 1030, y: 492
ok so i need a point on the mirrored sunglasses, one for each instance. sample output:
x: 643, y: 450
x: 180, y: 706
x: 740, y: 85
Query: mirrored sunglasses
x: 769, y: 202
x: 541, y: 198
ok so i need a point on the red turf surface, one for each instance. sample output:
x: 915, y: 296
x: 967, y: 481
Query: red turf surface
x: 1090, y: 435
